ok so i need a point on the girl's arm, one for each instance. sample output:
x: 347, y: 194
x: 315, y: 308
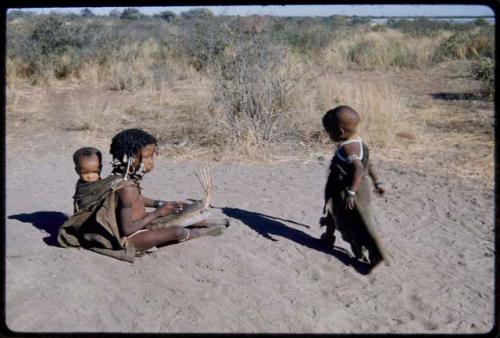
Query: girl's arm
x: 150, y: 203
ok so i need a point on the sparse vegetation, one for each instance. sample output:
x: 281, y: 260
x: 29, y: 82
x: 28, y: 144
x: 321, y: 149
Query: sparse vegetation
x: 484, y: 71
x: 267, y: 79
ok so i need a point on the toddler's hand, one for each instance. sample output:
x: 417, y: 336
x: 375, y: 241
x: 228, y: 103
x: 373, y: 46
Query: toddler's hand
x: 349, y: 202
x: 379, y: 188
x: 380, y: 191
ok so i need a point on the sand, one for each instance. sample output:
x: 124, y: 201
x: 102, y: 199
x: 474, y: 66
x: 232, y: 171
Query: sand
x: 267, y: 272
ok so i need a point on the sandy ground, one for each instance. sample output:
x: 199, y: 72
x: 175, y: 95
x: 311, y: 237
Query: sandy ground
x: 267, y: 272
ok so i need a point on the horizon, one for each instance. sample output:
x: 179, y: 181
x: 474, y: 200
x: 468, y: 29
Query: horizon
x: 375, y: 11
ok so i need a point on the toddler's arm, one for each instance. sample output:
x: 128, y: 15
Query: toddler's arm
x: 378, y: 184
x: 352, y: 151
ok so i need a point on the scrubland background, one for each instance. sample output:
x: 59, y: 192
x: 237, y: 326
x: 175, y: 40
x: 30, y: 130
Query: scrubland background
x: 235, y: 87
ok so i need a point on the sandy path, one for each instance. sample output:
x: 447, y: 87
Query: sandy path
x: 267, y: 272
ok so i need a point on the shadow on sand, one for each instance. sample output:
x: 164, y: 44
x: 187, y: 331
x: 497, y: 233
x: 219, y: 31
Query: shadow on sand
x: 48, y: 221
x: 266, y: 226
x: 457, y: 96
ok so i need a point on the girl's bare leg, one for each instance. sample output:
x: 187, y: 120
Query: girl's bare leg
x: 148, y: 239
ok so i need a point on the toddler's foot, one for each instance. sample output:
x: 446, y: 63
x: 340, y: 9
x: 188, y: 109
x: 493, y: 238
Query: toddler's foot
x: 328, y: 239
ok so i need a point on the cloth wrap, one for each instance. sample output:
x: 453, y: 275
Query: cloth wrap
x: 93, y: 225
x: 354, y: 225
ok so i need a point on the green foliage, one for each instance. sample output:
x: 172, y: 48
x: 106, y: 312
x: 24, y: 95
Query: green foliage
x: 17, y: 14
x: 115, y: 13
x: 337, y: 21
x: 305, y: 37
x: 197, y: 13
x: 480, y: 22
x: 131, y: 14
x: 252, y: 94
x: 168, y: 16
x: 467, y: 45
x: 51, y: 36
x: 484, y: 71
x: 360, y: 20
x: 60, y: 43
x: 86, y: 13
x: 420, y: 26
x: 379, y: 28
x: 204, y: 39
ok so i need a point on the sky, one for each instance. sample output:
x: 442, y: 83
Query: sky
x: 304, y: 10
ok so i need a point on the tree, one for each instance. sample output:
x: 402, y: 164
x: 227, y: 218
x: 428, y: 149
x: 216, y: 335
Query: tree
x: 131, y: 14
x: 197, y: 13
x: 168, y: 16
x: 14, y: 14
x: 115, y: 13
x: 480, y: 22
x: 86, y: 13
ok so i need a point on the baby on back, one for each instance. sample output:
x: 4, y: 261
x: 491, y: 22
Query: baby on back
x: 88, y: 166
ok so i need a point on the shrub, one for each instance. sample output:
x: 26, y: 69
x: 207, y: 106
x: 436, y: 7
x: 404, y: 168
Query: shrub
x: 17, y: 14
x: 168, y: 16
x: 204, y: 39
x: 197, y: 13
x: 254, y: 92
x: 484, y: 71
x: 386, y: 49
x: 131, y: 14
x: 86, y: 13
x: 467, y: 45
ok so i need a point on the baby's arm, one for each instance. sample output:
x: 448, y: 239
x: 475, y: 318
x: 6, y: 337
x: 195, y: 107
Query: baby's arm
x: 378, y: 184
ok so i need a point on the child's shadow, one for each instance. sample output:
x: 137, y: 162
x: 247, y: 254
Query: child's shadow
x: 48, y: 221
x: 265, y: 226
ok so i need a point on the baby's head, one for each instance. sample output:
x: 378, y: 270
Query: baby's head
x: 88, y: 164
x: 341, y: 123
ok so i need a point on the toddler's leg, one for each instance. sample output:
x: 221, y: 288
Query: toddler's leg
x: 328, y: 237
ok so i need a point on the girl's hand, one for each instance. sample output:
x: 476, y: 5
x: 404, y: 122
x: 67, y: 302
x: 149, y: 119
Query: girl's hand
x: 169, y: 208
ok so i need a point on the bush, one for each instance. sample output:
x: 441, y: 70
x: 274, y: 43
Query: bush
x: 131, y: 14
x: 254, y: 92
x: 308, y: 39
x: 168, y: 16
x: 468, y: 45
x: 204, y: 40
x: 384, y: 50
x: 420, y: 26
x: 197, y: 13
x: 484, y: 71
x: 86, y: 13
x: 17, y: 14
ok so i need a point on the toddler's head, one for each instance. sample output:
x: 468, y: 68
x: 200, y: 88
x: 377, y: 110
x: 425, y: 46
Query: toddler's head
x: 341, y: 123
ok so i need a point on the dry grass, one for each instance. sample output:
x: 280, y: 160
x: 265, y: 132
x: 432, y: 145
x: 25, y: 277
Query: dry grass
x: 194, y: 116
x: 381, y: 50
x: 383, y: 107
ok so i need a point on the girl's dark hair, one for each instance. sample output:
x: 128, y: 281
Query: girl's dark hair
x: 129, y: 141
x: 85, y: 152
